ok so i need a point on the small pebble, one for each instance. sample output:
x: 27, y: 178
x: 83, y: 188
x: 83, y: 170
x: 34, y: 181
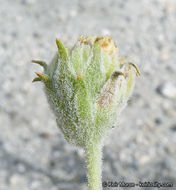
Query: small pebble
x: 168, y: 90
x: 17, y: 180
x: 173, y: 128
x: 158, y: 121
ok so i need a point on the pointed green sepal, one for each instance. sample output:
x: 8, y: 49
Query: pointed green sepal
x: 62, y: 50
x: 42, y: 63
x: 37, y: 79
x: 43, y: 77
x: 138, y: 73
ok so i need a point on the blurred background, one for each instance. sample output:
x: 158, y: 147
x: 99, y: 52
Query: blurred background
x: 33, y: 153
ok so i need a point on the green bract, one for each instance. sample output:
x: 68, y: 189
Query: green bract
x: 87, y: 86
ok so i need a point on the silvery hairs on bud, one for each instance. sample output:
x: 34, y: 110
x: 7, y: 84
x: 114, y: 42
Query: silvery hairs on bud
x: 87, y: 87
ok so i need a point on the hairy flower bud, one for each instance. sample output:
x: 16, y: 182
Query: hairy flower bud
x: 87, y: 86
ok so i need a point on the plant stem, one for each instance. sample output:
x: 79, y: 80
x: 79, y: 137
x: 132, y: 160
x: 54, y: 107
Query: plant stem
x: 94, y: 165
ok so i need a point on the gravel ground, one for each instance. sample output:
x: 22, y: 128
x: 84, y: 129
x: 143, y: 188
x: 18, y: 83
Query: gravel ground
x: 33, y: 152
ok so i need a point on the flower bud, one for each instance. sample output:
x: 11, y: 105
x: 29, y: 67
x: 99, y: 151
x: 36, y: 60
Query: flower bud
x: 87, y: 87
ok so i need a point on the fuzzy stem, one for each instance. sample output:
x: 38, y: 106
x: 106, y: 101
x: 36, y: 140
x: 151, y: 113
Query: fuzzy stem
x: 94, y: 166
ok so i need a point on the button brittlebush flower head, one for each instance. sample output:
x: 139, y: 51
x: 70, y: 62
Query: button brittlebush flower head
x: 87, y: 86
